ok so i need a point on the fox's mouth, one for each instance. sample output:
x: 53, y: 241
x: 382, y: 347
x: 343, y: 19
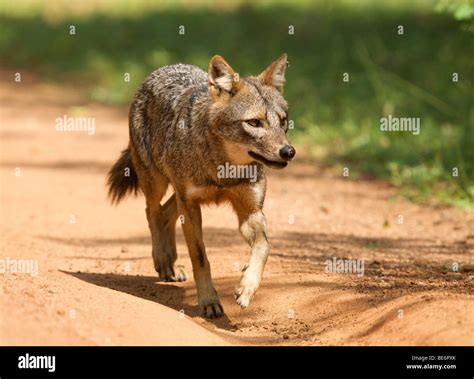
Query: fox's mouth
x: 267, y: 162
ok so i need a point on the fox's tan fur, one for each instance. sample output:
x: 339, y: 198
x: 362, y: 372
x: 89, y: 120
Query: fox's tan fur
x: 184, y: 124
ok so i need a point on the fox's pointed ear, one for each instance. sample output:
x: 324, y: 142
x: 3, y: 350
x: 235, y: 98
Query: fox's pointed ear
x: 274, y: 75
x: 222, y: 77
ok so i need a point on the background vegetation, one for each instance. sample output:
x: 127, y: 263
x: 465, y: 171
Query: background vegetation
x: 409, y: 75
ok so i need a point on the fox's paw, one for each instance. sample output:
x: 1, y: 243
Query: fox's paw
x: 176, y: 274
x: 244, y: 294
x: 180, y: 274
x: 212, y: 309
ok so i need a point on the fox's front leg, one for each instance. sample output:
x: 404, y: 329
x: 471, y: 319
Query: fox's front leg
x: 208, y: 300
x: 253, y: 228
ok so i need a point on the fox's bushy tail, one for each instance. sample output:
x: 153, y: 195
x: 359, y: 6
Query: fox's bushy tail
x: 122, y: 178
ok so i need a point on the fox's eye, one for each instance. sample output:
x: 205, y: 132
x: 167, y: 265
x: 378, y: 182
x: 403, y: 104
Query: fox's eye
x: 254, y: 122
x: 283, y: 121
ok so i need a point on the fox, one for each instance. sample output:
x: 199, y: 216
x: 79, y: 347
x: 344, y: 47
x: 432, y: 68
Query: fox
x: 185, y: 124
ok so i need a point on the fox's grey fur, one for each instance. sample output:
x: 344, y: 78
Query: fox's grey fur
x: 184, y: 124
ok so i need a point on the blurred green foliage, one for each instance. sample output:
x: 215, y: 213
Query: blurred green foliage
x: 405, y: 75
x: 462, y: 10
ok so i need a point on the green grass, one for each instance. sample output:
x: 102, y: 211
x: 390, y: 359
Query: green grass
x: 406, y: 75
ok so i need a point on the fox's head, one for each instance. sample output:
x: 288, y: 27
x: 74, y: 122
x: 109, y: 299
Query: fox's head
x: 250, y: 115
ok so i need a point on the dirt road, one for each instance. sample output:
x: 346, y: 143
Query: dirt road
x: 96, y: 283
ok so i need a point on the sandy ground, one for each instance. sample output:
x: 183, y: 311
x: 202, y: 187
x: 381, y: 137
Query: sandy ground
x: 96, y: 283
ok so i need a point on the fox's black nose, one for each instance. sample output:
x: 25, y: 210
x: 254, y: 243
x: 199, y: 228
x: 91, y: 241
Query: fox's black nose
x: 287, y: 152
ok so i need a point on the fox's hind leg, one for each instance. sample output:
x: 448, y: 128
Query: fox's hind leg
x: 170, y: 215
x: 163, y: 245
